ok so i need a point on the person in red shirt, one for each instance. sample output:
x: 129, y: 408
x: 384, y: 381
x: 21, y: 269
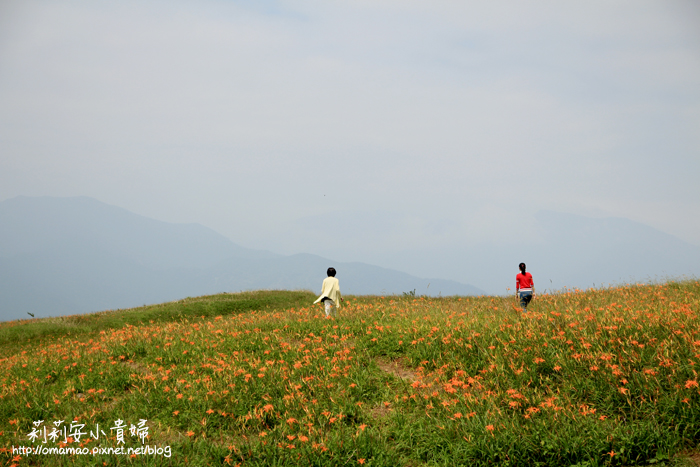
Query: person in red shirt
x: 524, y: 287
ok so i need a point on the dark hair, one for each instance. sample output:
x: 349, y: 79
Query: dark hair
x: 331, y: 272
x: 521, y: 266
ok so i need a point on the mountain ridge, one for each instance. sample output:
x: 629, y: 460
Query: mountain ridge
x: 77, y: 255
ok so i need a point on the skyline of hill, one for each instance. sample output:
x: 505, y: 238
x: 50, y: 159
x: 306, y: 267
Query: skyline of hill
x: 561, y: 250
x: 74, y: 255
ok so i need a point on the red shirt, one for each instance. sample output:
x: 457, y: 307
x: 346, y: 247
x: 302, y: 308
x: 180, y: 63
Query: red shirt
x: 523, y: 281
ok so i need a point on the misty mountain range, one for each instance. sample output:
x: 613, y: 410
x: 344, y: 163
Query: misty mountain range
x: 63, y: 256
x: 563, y: 251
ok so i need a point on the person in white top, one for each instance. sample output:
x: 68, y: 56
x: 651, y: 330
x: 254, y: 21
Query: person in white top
x: 330, y: 294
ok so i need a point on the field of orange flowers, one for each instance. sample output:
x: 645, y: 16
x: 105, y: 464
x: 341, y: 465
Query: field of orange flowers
x: 597, y: 377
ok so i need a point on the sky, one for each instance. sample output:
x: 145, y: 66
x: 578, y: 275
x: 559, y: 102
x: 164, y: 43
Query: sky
x: 357, y: 130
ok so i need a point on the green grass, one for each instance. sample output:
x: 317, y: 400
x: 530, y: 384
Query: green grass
x: 587, y: 378
x: 14, y: 333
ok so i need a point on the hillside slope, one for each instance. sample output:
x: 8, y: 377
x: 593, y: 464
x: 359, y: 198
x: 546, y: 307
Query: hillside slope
x: 604, y: 377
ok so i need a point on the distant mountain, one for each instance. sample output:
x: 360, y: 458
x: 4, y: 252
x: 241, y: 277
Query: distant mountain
x: 74, y: 255
x: 563, y: 250
x: 305, y: 271
x: 578, y: 251
x: 31, y: 225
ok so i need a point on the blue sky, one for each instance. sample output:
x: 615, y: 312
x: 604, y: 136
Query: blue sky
x: 405, y: 124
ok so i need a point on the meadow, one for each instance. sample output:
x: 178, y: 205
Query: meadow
x: 585, y: 378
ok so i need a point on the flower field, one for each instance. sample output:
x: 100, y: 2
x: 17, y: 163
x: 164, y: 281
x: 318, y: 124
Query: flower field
x: 597, y: 377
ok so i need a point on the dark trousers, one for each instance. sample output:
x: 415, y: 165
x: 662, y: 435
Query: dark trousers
x: 525, y: 298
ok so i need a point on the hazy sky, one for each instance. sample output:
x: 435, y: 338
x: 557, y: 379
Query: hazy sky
x: 347, y: 129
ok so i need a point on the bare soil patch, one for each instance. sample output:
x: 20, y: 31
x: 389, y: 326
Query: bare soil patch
x: 693, y: 459
x: 398, y: 368
x: 379, y: 411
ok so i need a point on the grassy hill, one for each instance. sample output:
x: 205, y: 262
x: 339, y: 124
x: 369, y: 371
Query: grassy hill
x: 597, y: 377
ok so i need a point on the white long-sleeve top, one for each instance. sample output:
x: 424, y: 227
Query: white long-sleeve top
x: 330, y: 289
